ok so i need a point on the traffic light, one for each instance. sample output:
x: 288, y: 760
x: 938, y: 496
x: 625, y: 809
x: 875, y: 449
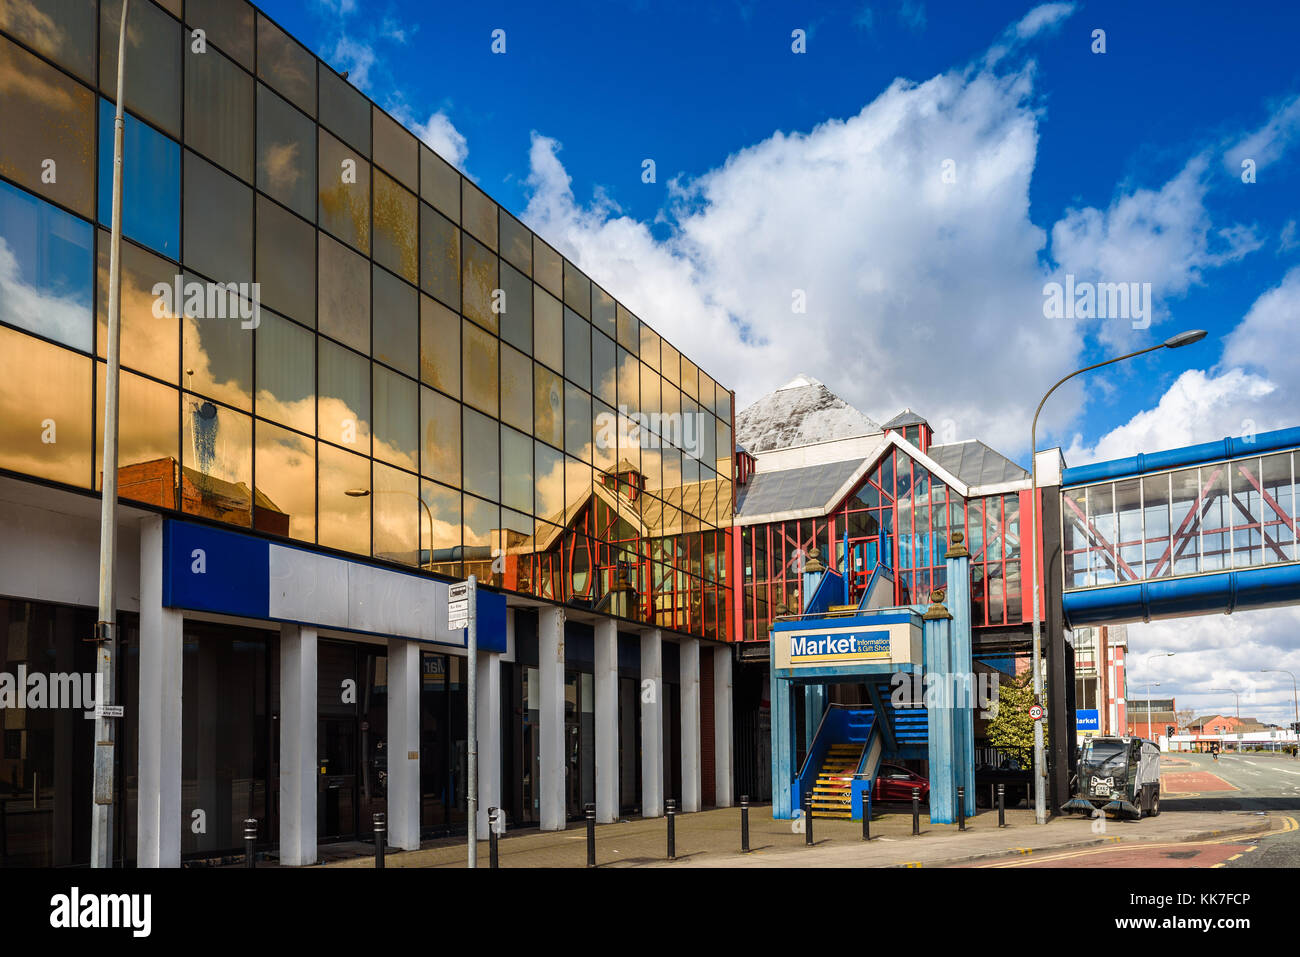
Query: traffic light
x: 1169, y: 730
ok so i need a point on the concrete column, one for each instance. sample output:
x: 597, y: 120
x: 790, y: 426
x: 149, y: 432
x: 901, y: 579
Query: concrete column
x: 722, y: 743
x: 606, y: 689
x: 550, y: 748
x: 957, y: 562
x: 692, y: 796
x: 404, y: 797
x: 814, y: 706
x: 783, y: 769
x: 652, y: 724
x: 942, y: 757
x: 298, y: 755
x: 489, y: 737
x: 159, y: 807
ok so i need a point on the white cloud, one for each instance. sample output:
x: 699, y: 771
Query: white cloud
x: 440, y: 135
x: 1266, y: 144
x: 1165, y: 237
x: 356, y: 58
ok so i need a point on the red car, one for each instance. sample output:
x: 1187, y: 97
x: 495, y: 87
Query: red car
x: 895, y: 784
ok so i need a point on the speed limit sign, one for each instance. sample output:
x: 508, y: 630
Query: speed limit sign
x: 1036, y: 712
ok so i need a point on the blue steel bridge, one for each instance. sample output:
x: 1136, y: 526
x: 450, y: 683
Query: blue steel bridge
x: 1197, y: 530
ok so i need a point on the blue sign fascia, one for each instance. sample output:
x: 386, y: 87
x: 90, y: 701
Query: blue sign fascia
x: 1087, y: 719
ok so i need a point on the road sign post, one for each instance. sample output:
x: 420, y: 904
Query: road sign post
x: 462, y: 612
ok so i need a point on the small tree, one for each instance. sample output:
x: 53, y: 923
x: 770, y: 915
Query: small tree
x: 1011, y: 731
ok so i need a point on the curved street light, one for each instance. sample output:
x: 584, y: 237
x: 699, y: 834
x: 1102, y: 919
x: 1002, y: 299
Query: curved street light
x: 365, y: 492
x: 1040, y: 763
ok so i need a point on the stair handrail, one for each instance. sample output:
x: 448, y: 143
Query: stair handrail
x: 808, y: 757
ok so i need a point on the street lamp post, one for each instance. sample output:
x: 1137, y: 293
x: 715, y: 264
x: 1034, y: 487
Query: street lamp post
x: 1168, y: 654
x: 1295, y: 698
x: 101, y: 816
x: 1040, y: 762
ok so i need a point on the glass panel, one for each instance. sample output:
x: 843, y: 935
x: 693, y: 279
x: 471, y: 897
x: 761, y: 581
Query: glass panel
x: 343, y: 193
x: 286, y: 153
x: 479, y: 214
x: 153, y: 63
x: 1155, y: 516
x: 218, y: 223
x: 603, y: 357
x: 479, y: 361
x: 151, y: 183
x: 548, y: 267
x: 577, y: 290
x: 517, y: 308
x: 1185, y: 517
x: 690, y: 381
x: 217, y: 449
x: 516, y: 471
x: 219, y: 111
x: 480, y: 271
x: 548, y: 471
x: 482, y: 520
x: 227, y: 23
x: 63, y: 30
x: 577, y: 349
x: 440, y: 437
x: 1246, y: 512
x: 396, y: 238
x: 396, y: 322
x: 1128, y: 547
x: 1215, y: 544
x: 396, y: 150
x: 344, y: 519
x: 670, y: 362
x: 439, y: 183
x: 397, y: 515
x: 151, y: 341
x: 439, y: 257
x: 49, y: 119
x: 602, y: 313
x: 440, y: 530
x: 548, y: 329
x: 147, y: 452
x: 516, y: 243
x: 548, y: 406
x: 629, y: 382
x: 344, y: 397
x: 286, y: 65
x: 344, y: 110
x: 396, y: 419
x: 285, y: 465
x: 344, y: 294
x: 45, y: 426
x: 48, y: 281
x: 1279, y: 508
x: 650, y: 347
x: 605, y: 440
x: 286, y: 373
x: 481, y: 444
x: 217, y: 357
x: 286, y: 262
x: 439, y: 346
x: 577, y: 422
x: 629, y: 330
x: 517, y: 389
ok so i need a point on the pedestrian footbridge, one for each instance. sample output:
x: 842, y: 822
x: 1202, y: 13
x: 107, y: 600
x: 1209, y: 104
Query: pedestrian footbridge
x: 1196, y: 530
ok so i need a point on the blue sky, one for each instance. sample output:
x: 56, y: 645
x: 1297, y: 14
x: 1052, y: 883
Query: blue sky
x: 822, y: 174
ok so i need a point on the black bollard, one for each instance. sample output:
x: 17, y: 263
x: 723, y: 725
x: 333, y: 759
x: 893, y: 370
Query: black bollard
x: 379, y: 825
x: 672, y: 829
x: 1002, y: 805
x: 250, y: 839
x: 807, y: 821
x: 493, y: 860
x: 744, y: 823
x: 866, y: 815
x: 591, y: 835
x: 961, y: 808
x: 916, y: 811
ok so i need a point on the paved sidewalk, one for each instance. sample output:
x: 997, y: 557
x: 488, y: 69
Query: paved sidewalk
x: 712, y: 839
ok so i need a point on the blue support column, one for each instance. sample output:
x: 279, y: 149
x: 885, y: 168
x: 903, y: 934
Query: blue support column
x: 782, y: 746
x: 958, y: 604
x: 942, y: 754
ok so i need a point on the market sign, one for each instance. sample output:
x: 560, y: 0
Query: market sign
x: 865, y: 641
x: 1087, y: 719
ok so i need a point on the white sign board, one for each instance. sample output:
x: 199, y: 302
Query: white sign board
x: 458, y: 591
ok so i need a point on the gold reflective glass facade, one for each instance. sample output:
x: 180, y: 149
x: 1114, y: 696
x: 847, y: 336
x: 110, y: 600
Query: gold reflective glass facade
x: 416, y: 377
